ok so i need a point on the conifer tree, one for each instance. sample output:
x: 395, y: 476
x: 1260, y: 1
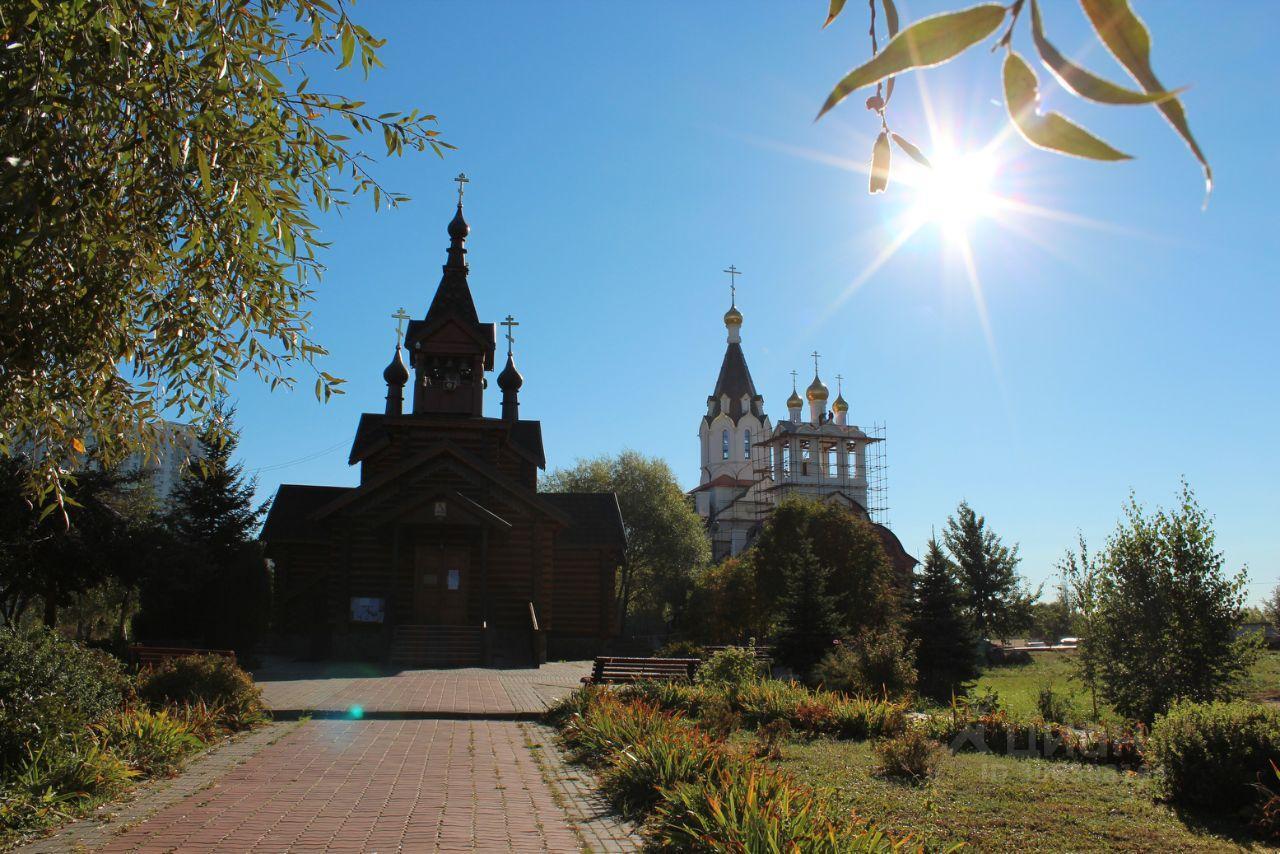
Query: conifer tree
x: 216, y: 592
x: 994, y: 593
x: 213, y: 503
x: 946, y: 642
x: 809, y: 615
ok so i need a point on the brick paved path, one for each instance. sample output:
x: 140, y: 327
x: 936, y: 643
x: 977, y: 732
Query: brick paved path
x: 376, y: 785
x: 371, y: 786
x: 463, y: 691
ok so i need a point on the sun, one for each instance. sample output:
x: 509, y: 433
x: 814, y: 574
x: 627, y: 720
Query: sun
x: 956, y: 191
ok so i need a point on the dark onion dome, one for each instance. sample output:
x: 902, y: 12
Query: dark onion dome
x: 396, y: 374
x: 458, y: 228
x: 510, y: 379
x: 816, y: 391
x: 841, y: 405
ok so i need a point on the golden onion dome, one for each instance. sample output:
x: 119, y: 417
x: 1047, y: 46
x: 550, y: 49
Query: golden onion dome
x: 733, y: 316
x: 794, y: 402
x: 841, y: 405
x: 816, y: 390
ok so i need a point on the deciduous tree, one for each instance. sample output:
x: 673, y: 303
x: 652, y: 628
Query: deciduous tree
x: 162, y: 161
x: 1161, y: 611
x: 666, y: 540
x: 859, y: 575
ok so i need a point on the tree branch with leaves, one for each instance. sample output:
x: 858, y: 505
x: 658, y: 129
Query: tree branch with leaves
x: 160, y: 167
x: 938, y: 39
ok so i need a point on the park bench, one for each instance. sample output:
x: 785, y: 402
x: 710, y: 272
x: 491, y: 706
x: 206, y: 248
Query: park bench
x: 152, y: 656
x: 615, y: 669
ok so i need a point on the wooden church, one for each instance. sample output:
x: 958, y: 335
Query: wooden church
x: 446, y: 553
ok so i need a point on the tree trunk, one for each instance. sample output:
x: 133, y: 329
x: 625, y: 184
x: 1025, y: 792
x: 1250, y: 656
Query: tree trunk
x: 50, y: 607
x: 624, y: 600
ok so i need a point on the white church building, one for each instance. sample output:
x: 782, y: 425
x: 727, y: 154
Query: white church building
x: 749, y: 464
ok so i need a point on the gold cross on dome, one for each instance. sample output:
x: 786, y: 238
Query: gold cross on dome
x: 794, y: 374
x: 401, y: 316
x: 510, y: 322
x: 462, y: 180
x: 839, y: 384
x: 734, y: 273
x: 814, y: 354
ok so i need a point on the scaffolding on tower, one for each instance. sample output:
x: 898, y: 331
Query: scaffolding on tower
x: 797, y: 476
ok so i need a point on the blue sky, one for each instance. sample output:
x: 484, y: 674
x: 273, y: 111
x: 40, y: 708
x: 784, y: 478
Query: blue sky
x: 622, y: 155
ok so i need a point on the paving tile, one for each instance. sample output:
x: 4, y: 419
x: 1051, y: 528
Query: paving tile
x: 376, y: 785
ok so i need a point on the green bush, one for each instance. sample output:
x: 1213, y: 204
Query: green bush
x: 1211, y: 754
x: 734, y: 665
x: 872, y: 664
x: 50, y: 688
x: 641, y: 772
x: 910, y: 755
x: 755, y: 809
x: 200, y: 719
x: 59, y: 778
x: 680, y: 649
x: 1266, y: 820
x: 153, y: 743
x: 770, y: 738
x: 1055, y: 706
x: 610, y: 724
x: 718, y: 718
x: 211, y: 679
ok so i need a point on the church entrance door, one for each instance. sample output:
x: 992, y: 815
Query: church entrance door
x: 440, y: 586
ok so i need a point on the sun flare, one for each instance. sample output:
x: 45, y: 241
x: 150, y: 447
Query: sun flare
x: 956, y: 191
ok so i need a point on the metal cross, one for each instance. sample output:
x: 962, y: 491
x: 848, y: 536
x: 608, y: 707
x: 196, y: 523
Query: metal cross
x: 814, y: 354
x: 794, y: 374
x: 839, y: 385
x: 401, y: 316
x: 462, y: 180
x: 734, y: 273
x: 510, y: 322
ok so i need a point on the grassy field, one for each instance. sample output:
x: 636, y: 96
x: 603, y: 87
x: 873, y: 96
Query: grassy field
x: 996, y: 803
x: 1019, y: 685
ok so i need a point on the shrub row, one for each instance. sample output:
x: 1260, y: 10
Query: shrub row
x: 761, y: 702
x: 994, y: 730
x: 1215, y: 754
x: 75, y: 731
x: 697, y: 794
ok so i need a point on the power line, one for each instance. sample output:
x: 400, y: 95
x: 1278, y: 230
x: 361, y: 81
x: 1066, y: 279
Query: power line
x: 299, y: 460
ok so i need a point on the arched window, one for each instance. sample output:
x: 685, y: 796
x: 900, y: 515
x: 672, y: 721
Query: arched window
x: 746, y: 444
x: 724, y: 445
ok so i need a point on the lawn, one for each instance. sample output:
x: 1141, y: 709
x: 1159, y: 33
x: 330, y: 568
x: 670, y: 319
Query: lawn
x: 1019, y: 685
x: 996, y: 803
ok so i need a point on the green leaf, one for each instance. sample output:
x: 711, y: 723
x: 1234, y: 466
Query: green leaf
x: 1050, y: 131
x: 348, y: 46
x: 911, y: 151
x: 1082, y: 82
x: 879, y: 165
x: 1127, y: 38
x: 837, y: 6
x: 891, y: 22
x: 890, y: 16
x: 924, y: 44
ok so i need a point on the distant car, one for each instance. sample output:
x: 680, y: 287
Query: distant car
x: 1035, y: 644
x: 1068, y: 641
